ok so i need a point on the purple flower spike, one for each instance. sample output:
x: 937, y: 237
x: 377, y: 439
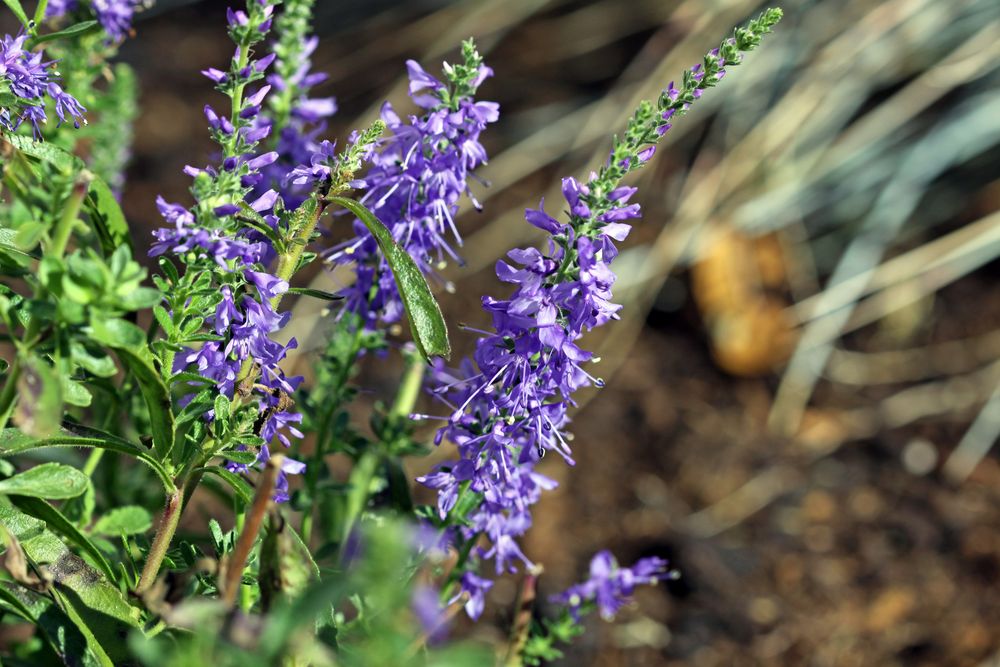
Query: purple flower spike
x: 418, y: 177
x: 211, y: 233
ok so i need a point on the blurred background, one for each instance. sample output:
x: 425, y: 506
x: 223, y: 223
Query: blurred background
x: 804, y: 388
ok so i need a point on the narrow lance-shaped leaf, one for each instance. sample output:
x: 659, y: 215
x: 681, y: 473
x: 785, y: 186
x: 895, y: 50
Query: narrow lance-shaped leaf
x: 15, y: 6
x: 95, y: 605
x: 75, y: 30
x: 60, y: 524
x: 13, y: 441
x: 430, y: 333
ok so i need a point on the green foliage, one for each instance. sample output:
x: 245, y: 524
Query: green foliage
x: 48, y: 480
x: 15, y: 6
x: 430, y: 333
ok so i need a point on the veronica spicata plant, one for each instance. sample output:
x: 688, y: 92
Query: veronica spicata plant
x: 177, y: 386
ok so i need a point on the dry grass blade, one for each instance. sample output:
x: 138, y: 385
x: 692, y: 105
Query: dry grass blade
x: 977, y: 441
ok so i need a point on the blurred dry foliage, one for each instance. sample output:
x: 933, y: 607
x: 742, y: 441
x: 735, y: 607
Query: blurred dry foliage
x: 803, y: 389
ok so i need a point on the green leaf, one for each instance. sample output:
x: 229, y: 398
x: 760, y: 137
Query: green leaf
x: 163, y: 318
x: 117, y: 334
x: 188, y: 376
x: 13, y: 441
x: 222, y: 408
x: 157, y: 398
x: 8, y: 237
x: 105, y: 211
x: 130, y: 520
x: 40, y: 10
x: 75, y: 30
x: 239, y: 485
x: 59, y: 631
x: 47, y: 152
x: 140, y: 298
x: 106, y: 215
x: 129, y: 343
x: 252, y: 218
x: 77, y: 613
x: 60, y: 524
x: 96, y: 362
x: 315, y: 293
x: 95, y: 605
x: 48, y: 480
x: 40, y: 399
x: 237, y: 456
x: 74, y: 393
x: 15, y: 6
x: 430, y: 333
x: 22, y: 526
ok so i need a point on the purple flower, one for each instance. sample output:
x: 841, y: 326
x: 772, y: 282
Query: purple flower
x: 475, y: 588
x: 30, y: 80
x: 429, y: 613
x: 300, y: 118
x: 611, y: 586
x: 418, y: 176
x: 509, y: 403
x: 65, y: 104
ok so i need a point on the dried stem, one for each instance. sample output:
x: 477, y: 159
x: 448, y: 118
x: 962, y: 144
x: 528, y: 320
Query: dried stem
x: 233, y: 572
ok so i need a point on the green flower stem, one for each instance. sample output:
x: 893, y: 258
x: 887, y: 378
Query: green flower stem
x: 319, y: 452
x: 241, y: 522
x: 406, y: 398
x: 161, y: 542
x: 459, y: 568
x: 364, y: 469
x: 237, y: 104
x: 64, y: 228
x: 357, y: 498
x: 288, y: 261
x: 9, y: 392
x: 93, y: 459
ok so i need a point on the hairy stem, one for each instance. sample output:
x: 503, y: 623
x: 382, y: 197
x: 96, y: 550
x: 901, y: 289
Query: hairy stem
x: 161, y: 542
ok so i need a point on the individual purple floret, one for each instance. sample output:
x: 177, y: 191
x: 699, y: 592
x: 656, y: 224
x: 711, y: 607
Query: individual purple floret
x: 611, y: 586
x: 417, y: 178
x: 27, y: 78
